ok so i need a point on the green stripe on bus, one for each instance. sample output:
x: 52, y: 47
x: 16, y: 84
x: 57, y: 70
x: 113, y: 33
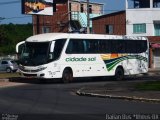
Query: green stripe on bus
x: 110, y: 64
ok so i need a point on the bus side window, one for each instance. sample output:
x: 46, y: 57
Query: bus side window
x: 108, y: 46
x: 131, y: 46
x: 75, y: 46
x: 69, y: 47
x: 141, y: 46
x: 101, y: 46
x: 58, y: 48
x: 113, y: 46
x: 90, y: 46
x: 93, y: 46
x: 80, y: 47
x: 121, y: 46
x: 85, y: 44
x: 144, y: 46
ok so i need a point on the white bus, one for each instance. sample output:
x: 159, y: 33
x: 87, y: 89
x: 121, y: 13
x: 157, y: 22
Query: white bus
x: 67, y: 56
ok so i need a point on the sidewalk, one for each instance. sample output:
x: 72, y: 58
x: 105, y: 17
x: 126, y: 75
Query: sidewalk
x: 5, y: 82
x: 124, y: 89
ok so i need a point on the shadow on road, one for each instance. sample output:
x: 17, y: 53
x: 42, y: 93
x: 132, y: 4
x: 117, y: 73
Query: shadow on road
x: 58, y: 81
x: 33, y: 80
x: 81, y: 80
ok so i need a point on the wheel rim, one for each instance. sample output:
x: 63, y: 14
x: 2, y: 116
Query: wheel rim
x: 8, y: 70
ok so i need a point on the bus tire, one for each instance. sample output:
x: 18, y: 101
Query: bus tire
x: 119, y: 74
x: 67, y: 75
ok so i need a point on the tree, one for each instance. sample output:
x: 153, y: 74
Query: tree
x: 11, y: 34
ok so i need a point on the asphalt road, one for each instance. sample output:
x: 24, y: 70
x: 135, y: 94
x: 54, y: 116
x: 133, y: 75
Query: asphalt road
x: 57, y: 101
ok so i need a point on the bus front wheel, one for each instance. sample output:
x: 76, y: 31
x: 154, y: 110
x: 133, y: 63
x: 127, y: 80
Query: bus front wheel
x: 119, y: 74
x: 67, y: 76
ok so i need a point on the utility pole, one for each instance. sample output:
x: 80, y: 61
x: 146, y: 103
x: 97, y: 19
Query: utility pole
x: 88, y: 18
x: 37, y: 21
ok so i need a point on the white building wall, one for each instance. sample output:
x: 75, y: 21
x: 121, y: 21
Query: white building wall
x: 142, y: 15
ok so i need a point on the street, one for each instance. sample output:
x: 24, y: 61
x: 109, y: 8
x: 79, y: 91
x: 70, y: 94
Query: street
x: 42, y: 40
x: 59, y: 101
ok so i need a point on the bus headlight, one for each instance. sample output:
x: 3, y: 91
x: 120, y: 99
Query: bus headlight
x: 40, y: 69
x: 30, y: 69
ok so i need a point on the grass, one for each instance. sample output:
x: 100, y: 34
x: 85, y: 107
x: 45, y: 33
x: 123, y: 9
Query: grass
x: 151, y: 85
x: 8, y: 75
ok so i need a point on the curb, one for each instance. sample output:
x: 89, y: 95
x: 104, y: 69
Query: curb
x: 134, y: 98
x: 4, y: 80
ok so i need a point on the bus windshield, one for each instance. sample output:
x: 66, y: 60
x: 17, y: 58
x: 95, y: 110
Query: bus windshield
x: 38, y: 53
x: 34, y: 53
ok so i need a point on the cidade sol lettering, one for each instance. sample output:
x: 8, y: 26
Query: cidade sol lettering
x: 74, y: 59
x: 81, y: 59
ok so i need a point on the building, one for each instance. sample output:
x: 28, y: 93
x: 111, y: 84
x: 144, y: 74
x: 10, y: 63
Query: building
x: 140, y: 18
x: 70, y: 16
x: 113, y: 23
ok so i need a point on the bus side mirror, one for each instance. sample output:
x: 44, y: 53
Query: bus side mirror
x: 19, y: 47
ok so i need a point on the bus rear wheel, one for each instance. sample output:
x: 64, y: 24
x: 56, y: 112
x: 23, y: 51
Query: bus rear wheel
x: 119, y: 74
x: 67, y: 76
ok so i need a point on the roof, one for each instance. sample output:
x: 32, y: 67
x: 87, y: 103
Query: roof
x: 54, y: 36
x: 46, y: 37
x: 110, y: 14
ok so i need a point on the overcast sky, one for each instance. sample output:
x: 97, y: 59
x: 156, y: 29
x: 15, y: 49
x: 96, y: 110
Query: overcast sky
x: 12, y: 10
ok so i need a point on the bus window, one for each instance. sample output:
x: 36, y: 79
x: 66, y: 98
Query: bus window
x: 75, y: 46
x: 131, y: 46
x: 92, y: 46
x: 141, y: 46
x: 58, y: 48
x: 121, y: 46
x: 85, y: 43
x: 104, y: 46
x: 69, y: 47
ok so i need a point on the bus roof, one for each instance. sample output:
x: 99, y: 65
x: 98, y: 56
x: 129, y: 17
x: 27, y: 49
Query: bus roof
x: 53, y: 36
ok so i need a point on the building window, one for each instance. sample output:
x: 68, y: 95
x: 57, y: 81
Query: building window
x: 142, y: 3
x: 109, y: 29
x: 157, y: 29
x: 46, y: 29
x: 156, y: 3
x: 138, y: 4
x: 90, y: 8
x: 82, y: 8
x: 139, y: 28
